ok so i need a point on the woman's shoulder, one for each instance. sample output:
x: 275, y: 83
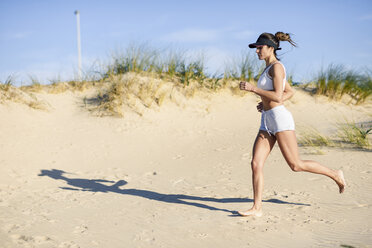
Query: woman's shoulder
x: 278, y: 64
x: 276, y: 67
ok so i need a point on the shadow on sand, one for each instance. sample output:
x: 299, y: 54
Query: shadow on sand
x: 96, y: 185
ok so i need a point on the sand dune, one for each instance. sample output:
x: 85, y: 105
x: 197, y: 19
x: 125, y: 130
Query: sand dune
x: 174, y: 177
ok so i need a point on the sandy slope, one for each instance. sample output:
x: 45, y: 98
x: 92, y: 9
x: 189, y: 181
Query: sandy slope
x: 173, y: 178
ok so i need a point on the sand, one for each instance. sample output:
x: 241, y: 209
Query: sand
x: 174, y: 177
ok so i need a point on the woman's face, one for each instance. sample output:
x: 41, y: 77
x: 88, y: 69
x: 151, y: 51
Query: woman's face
x: 264, y: 51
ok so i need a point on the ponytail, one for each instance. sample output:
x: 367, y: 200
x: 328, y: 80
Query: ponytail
x: 280, y: 36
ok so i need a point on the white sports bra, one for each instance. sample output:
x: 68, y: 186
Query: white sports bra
x: 265, y: 82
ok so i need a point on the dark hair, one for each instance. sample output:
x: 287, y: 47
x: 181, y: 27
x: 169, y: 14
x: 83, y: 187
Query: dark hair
x: 279, y: 36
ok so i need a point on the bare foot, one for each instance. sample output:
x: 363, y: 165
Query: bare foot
x: 341, y: 181
x: 251, y: 212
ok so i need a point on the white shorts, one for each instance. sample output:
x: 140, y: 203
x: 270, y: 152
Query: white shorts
x: 276, y: 120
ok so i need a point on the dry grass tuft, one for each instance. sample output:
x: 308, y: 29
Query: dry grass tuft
x: 336, y: 81
x: 349, y: 135
x: 57, y: 88
x: 357, y: 135
x: 313, y: 138
x: 61, y: 87
x: 9, y: 93
x: 35, y: 87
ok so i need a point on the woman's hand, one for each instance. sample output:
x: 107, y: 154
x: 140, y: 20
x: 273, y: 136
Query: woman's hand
x: 246, y: 86
x: 260, y: 107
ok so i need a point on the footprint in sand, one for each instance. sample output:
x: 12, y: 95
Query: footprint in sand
x: 221, y: 149
x: 246, y: 156
x: 145, y: 235
x: 203, y: 235
x: 179, y: 156
x: 29, y: 240
x: 366, y: 172
x: 68, y: 244
x: 182, y: 180
x: 80, y: 229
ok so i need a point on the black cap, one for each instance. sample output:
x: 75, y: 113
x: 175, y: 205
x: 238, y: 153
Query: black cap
x: 262, y: 40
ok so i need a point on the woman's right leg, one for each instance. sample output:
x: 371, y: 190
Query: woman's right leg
x: 262, y: 147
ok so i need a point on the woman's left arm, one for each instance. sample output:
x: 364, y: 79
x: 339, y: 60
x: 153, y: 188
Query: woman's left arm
x: 277, y: 94
x: 288, y: 91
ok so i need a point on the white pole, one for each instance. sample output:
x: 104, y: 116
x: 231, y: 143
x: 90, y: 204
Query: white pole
x: 78, y: 43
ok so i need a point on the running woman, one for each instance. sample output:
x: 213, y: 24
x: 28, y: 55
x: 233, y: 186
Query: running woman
x: 277, y: 123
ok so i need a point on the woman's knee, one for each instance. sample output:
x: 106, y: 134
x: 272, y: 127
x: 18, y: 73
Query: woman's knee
x: 256, y: 166
x: 296, y: 166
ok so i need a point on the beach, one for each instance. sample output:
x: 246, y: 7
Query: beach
x: 175, y: 176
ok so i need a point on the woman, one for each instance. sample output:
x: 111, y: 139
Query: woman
x: 276, y: 121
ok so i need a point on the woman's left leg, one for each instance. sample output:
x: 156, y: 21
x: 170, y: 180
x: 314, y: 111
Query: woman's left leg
x: 288, y: 145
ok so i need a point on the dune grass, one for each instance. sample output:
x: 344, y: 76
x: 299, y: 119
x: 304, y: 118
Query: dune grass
x: 336, y: 81
x: 244, y: 68
x: 136, y: 58
x: 171, y: 64
x: 178, y: 72
x: 126, y: 91
x: 139, y: 91
x: 10, y: 93
x: 348, y: 134
x: 355, y: 134
x: 313, y: 138
x: 7, y: 84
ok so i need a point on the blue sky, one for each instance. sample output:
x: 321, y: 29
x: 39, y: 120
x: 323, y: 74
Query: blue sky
x: 38, y: 38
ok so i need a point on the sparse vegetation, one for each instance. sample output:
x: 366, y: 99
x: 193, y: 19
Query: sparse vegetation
x: 348, y: 134
x: 7, y: 84
x: 172, y: 64
x: 336, y: 81
x: 139, y: 92
x: 355, y: 134
x: 10, y: 93
x: 135, y: 59
x: 312, y: 137
x: 243, y: 68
